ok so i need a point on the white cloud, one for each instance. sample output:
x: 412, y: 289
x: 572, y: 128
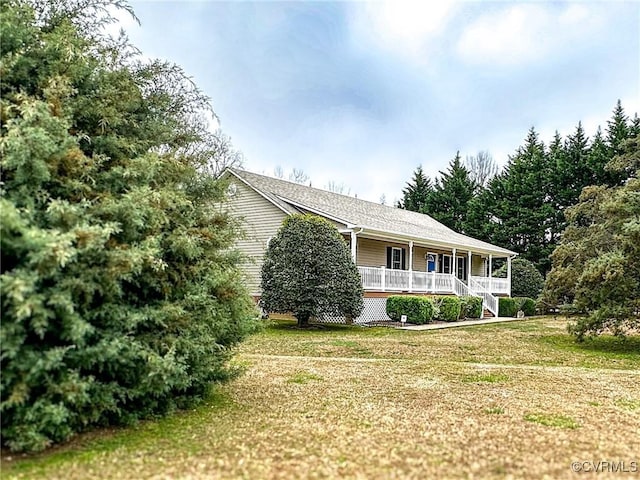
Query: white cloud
x: 525, y: 33
x: 404, y: 27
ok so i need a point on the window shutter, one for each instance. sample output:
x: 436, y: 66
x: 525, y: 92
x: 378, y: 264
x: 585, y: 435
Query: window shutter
x: 440, y: 263
x: 404, y: 258
x: 389, y: 255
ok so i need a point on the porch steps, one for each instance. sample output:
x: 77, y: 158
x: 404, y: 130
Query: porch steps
x: 487, y: 314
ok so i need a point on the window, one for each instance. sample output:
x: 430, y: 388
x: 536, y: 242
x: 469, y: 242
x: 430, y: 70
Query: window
x: 396, y: 258
x: 446, y: 264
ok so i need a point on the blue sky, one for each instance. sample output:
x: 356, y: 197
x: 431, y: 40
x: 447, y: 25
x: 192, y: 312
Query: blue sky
x: 362, y: 93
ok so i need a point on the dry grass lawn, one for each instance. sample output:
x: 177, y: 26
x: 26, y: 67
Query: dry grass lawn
x: 515, y: 400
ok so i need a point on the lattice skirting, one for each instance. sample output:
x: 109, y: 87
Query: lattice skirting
x: 374, y: 311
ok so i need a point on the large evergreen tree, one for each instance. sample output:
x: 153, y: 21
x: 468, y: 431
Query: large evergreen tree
x: 617, y: 130
x: 416, y: 194
x: 596, y: 267
x: 521, y: 214
x: 449, y: 201
x: 121, y: 296
x: 569, y: 172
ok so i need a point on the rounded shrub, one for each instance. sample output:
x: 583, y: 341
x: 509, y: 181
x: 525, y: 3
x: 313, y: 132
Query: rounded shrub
x: 526, y: 280
x: 507, y: 307
x: 526, y: 304
x: 419, y: 310
x: 471, y: 307
x: 449, y: 309
x: 308, y: 271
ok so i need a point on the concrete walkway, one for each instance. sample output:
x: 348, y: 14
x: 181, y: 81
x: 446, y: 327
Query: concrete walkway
x: 464, y: 323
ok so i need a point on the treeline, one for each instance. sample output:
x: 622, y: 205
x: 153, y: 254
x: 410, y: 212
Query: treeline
x: 523, y: 206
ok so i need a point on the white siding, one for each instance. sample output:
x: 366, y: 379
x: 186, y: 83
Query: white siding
x: 261, y: 220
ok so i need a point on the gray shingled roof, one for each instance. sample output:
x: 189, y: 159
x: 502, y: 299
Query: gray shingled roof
x: 354, y: 212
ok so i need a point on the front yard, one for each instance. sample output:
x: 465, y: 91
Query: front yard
x: 517, y: 399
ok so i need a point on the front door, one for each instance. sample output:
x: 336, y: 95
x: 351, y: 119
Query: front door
x: 432, y: 262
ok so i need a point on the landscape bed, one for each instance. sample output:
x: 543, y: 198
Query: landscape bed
x: 519, y: 399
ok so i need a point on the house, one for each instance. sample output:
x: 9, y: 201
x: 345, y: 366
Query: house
x: 395, y: 250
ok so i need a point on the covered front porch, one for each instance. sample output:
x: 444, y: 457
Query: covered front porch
x: 388, y: 264
x: 389, y: 280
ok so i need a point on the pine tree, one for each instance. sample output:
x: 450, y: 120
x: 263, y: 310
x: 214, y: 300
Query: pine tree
x: 453, y: 191
x: 634, y: 128
x: 416, y: 194
x: 570, y: 172
x: 557, y: 162
x: 521, y: 211
x: 617, y: 130
x: 121, y: 295
x: 597, y: 158
x: 478, y: 222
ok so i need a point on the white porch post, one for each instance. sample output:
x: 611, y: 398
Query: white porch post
x: 490, y: 273
x: 354, y: 247
x: 469, y: 268
x: 411, y: 266
x: 383, y: 280
x: 454, y: 267
x: 509, y: 275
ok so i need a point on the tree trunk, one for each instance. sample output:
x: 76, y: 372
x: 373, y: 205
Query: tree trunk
x: 303, y: 320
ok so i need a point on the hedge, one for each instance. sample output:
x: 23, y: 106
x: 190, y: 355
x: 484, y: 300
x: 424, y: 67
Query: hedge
x: 471, y: 307
x: 419, y: 310
x: 449, y: 309
x: 507, y: 307
x: 526, y: 304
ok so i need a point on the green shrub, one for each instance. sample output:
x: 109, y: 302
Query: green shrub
x: 526, y: 280
x: 449, y: 309
x: 471, y: 307
x: 308, y: 271
x: 419, y: 310
x: 526, y: 304
x: 120, y: 290
x: 507, y: 307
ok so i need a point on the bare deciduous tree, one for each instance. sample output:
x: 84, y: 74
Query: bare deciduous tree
x: 482, y: 168
x: 298, y: 176
x: 336, y: 187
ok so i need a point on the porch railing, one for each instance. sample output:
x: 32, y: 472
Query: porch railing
x: 389, y: 280
x: 488, y: 300
x: 493, y: 284
x: 386, y: 279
